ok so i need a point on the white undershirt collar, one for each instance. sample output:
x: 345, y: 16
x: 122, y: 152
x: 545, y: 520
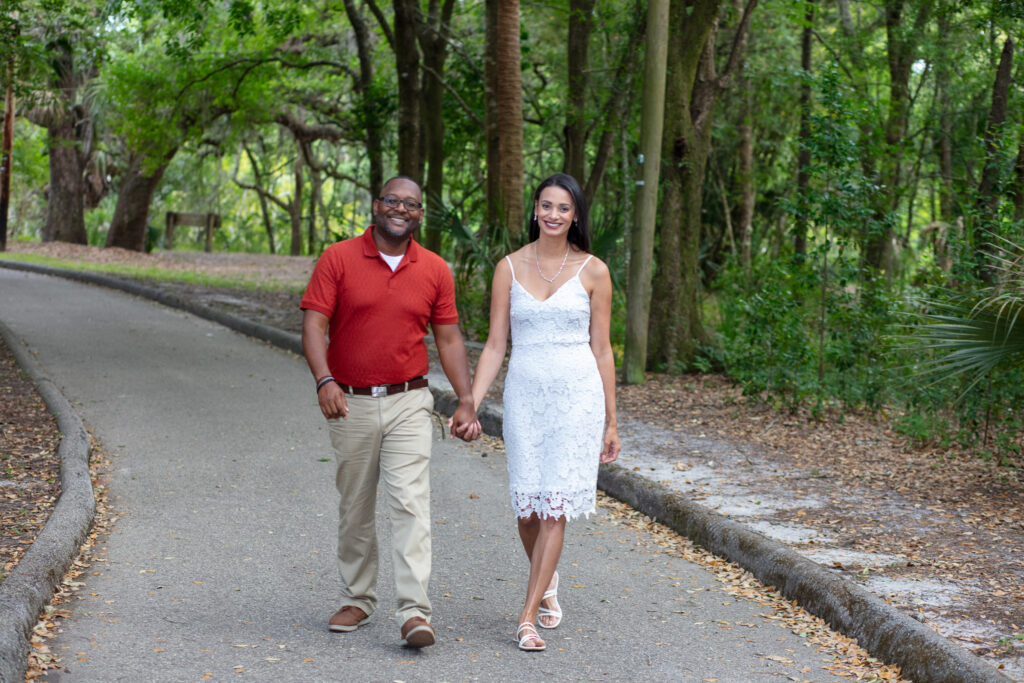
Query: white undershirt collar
x: 392, y: 261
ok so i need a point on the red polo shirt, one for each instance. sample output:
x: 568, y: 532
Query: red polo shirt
x: 378, y: 318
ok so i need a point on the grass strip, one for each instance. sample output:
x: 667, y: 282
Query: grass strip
x: 190, y: 277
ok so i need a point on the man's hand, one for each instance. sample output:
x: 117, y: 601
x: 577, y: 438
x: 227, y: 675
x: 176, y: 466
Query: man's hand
x: 452, y: 352
x: 332, y: 401
x: 464, y: 423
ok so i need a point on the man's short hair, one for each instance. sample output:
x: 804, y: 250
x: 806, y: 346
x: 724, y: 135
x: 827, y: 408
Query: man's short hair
x: 401, y: 177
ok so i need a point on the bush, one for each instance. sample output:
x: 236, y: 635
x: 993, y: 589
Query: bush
x: 781, y: 337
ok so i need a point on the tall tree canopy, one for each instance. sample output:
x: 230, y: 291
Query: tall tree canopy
x: 820, y: 162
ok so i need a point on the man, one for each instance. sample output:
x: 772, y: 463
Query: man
x: 373, y: 296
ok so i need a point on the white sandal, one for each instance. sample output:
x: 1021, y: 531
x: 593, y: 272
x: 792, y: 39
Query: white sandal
x: 555, y: 612
x: 530, y: 634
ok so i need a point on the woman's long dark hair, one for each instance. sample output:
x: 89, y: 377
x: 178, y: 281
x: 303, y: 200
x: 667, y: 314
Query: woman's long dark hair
x: 579, y: 231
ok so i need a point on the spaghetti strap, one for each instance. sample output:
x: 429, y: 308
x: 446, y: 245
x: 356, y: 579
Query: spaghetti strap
x: 511, y: 268
x: 584, y: 265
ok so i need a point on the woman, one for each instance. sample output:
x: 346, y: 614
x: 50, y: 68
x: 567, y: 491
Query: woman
x: 559, y: 401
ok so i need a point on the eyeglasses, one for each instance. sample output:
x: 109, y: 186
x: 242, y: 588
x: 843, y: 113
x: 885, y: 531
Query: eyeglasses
x: 394, y: 202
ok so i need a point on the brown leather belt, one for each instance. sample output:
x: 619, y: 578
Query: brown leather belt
x: 385, y: 389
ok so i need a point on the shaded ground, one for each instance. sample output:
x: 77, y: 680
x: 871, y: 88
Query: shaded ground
x: 943, y: 517
x: 29, y: 475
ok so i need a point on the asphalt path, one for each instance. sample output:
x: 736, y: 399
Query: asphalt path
x: 221, y: 561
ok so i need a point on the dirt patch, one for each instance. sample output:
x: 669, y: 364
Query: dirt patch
x: 29, y: 468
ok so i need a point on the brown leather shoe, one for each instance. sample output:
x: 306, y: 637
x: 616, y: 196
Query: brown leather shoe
x: 417, y: 632
x: 348, y: 618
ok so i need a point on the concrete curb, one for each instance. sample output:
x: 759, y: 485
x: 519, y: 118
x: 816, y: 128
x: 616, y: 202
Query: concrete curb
x: 881, y: 629
x: 34, y: 579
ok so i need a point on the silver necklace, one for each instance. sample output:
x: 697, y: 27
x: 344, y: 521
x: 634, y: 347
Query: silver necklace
x: 536, y: 258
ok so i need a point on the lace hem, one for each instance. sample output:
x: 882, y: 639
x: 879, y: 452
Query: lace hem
x: 558, y: 504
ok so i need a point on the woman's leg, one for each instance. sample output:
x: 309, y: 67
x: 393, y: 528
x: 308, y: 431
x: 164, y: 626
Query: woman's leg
x: 529, y: 527
x: 542, y: 539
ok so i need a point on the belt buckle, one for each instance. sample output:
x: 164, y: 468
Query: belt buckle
x: 379, y: 391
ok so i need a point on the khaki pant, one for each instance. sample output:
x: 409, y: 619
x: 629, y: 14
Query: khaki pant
x: 385, y: 438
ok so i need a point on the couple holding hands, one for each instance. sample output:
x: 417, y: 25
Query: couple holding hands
x: 365, y: 313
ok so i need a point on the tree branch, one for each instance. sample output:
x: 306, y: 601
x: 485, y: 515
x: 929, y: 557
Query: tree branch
x: 255, y: 188
x: 835, y: 56
x: 383, y: 21
x: 305, y: 132
x: 739, y: 41
x: 472, y: 114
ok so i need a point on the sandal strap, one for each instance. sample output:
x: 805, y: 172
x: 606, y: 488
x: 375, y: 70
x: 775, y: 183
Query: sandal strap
x: 530, y: 633
x: 551, y: 592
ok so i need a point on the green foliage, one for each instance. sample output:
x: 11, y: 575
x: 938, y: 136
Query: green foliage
x: 766, y: 345
x: 771, y: 341
x: 964, y: 351
x: 813, y: 325
x: 924, y: 429
x: 476, y: 256
x: 971, y: 334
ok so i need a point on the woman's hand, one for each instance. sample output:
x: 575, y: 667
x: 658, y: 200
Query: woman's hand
x: 469, y: 432
x: 612, y: 447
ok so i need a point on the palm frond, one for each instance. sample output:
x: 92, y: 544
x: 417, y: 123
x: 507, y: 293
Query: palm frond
x: 968, y: 337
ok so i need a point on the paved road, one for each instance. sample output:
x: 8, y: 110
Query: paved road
x: 220, y: 564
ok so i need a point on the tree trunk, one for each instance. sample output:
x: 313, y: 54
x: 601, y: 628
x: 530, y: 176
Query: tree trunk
x: 684, y: 153
x: 295, y: 208
x: 372, y: 122
x: 641, y: 250
x: 803, y: 176
x: 692, y: 90
x: 407, y: 64
x: 581, y: 24
x: 261, y: 193
x: 134, y: 198
x: 943, y: 144
x: 69, y: 147
x: 315, y: 191
x: 435, y: 52
x: 745, y: 177
x: 618, y: 105
x: 491, y: 135
x: 902, y: 42
x: 987, y: 203
x: 505, y: 118
x: 268, y: 225
x: 5, y: 158
x: 1018, y: 184
x: 65, y: 205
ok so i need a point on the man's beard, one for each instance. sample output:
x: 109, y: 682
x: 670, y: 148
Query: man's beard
x: 388, y: 230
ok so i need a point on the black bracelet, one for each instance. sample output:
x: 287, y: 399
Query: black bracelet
x: 322, y: 382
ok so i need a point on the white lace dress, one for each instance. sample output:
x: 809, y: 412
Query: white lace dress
x: 553, y: 403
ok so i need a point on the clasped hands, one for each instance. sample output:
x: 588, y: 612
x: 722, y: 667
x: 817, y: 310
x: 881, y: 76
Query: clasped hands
x: 464, y: 423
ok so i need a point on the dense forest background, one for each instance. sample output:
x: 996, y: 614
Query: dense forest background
x: 822, y: 199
